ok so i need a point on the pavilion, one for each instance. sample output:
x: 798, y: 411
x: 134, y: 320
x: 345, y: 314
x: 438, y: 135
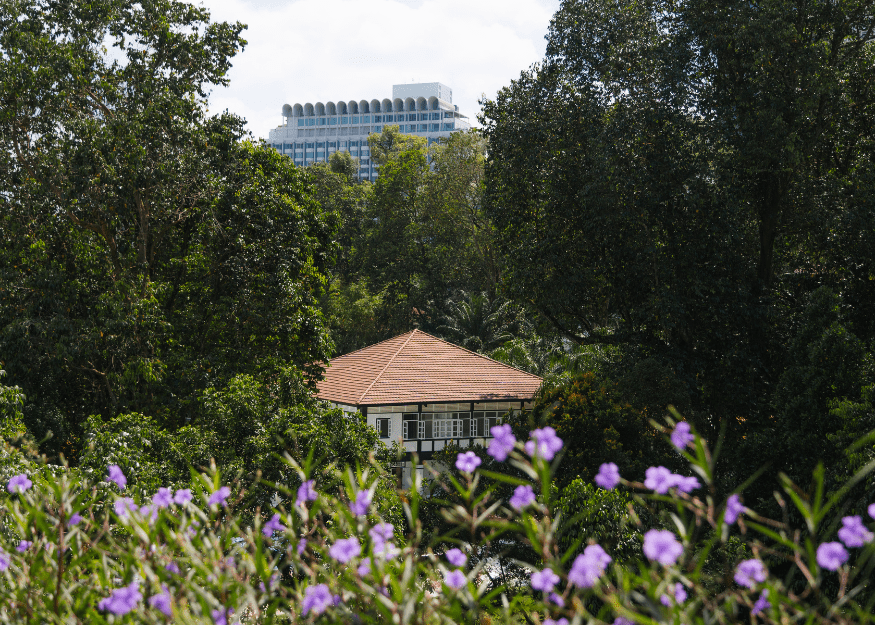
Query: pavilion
x: 424, y: 392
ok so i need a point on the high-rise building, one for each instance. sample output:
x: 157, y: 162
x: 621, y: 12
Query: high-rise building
x: 310, y: 133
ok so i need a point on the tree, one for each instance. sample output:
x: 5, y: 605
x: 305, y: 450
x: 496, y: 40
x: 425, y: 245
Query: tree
x: 152, y: 252
x: 597, y: 426
x: 425, y: 235
x: 668, y: 178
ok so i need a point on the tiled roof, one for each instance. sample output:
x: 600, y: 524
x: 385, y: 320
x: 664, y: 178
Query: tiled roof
x: 418, y: 368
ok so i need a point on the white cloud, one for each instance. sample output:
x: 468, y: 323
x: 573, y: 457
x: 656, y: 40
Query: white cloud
x: 321, y: 50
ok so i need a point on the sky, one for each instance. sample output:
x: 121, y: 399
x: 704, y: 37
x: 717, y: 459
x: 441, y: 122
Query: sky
x: 321, y: 50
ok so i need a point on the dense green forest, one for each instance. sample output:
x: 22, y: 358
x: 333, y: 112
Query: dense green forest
x: 675, y: 208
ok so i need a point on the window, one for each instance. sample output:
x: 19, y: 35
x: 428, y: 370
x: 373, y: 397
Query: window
x: 411, y: 427
x: 434, y: 127
x: 378, y: 129
x: 448, y: 115
x: 483, y: 422
x: 435, y: 116
x: 423, y: 127
x: 310, y: 146
x: 355, y: 119
x: 447, y: 126
x: 322, y: 121
x: 384, y: 427
x: 378, y: 118
x: 366, y: 119
x: 311, y: 121
x: 344, y: 120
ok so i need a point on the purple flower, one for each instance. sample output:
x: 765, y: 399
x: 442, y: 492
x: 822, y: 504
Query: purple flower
x: 220, y: 616
x: 362, y: 502
x: 18, y: 483
x: 74, y: 519
x: 665, y: 600
x: 455, y: 579
x: 306, y: 492
x: 734, y: 508
x: 588, y: 567
x: 122, y: 600
x: 523, y: 496
x: 161, y: 601
x: 467, y: 462
x: 380, y: 535
x: 219, y: 497
x: 163, y: 498
x: 386, y: 550
x: 622, y: 620
x: 317, y: 599
x: 608, y: 476
x: 662, y: 546
x: 182, y: 496
x: 686, y: 484
x: 544, y: 580
x: 658, y: 479
x: 345, y: 549
x: 561, y: 621
x: 545, y: 443
x: 5, y: 560
x: 761, y: 604
x: 871, y: 510
x: 831, y: 555
x: 554, y: 598
x: 116, y: 475
x: 23, y: 546
x: 456, y: 557
x: 853, y: 533
x: 680, y: 593
x: 364, y: 567
x: 681, y: 436
x: 150, y: 512
x: 274, y: 525
x: 749, y: 573
x: 124, y: 506
x: 382, y: 532
x: 172, y: 567
x: 502, y: 443
x: 302, y: 545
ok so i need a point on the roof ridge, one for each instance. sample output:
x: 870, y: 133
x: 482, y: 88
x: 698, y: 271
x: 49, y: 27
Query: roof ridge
x: 473, y: 353
x: 361, y: 349
x: 397, y: 351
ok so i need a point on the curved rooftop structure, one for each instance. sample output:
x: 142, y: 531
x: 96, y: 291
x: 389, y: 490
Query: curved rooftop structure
x: 311, y: 132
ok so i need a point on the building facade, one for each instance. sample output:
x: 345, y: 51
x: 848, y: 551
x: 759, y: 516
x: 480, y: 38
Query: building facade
x: 310, y: 133
x: 425, y: 392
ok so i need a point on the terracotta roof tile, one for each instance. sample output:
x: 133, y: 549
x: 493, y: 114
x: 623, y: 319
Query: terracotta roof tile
x: 418, y: 368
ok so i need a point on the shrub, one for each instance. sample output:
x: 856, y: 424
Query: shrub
x: 77, y: 550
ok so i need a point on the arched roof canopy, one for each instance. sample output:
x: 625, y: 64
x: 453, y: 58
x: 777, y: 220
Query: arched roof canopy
x: 433, y: 103
x: 409, y: 104
x: 364, y: 107
x: 398, y: 104
x: 341, y: 108
x: 320, y: 108
x: 287, y: 110
x: 353, y: 107
x: 387, y: 105
x: 297, y: 111
x: 421, y: 104
x: 330, y: 108
x: 308, y: 110
x: 375, y: 106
